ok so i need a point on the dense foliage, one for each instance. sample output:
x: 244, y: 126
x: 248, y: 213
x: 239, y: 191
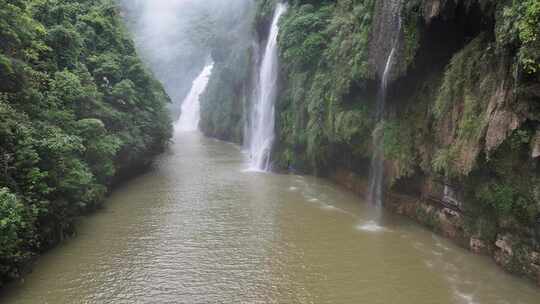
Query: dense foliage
x: 463, y: 104
x: 518, y: 26
x: 448, y: 120
x: 78, y: 108
x: 323, y: 47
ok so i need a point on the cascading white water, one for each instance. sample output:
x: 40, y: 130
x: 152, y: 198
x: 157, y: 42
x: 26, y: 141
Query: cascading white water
x: 377, y: 160
x: 189, y: 119
x: 261, y: 122
x: 376, y: 174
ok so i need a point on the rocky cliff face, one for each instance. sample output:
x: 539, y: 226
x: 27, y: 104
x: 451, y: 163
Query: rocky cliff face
x: 461, y: 127
x: 463, y: 111
x: 229, y: 88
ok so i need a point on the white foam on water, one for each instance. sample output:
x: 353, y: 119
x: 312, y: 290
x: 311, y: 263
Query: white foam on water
x: 465, y: 298
x: 330, y: 207
x: 292, y: 188
x: 421, y: 247
x: 452, y: 279
x: 371, y: 226
x: 438, y: 242
x: 440, y: 245
x: 253, y: 170
x: 313, y: 200
x: 445, y: 248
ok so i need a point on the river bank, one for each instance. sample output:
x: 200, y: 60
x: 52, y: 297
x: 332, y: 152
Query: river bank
x: 446, y: 220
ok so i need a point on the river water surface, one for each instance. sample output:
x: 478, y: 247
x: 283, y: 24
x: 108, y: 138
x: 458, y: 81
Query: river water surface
x: 201, y: 229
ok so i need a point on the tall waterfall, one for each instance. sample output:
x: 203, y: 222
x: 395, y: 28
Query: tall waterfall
x: 261, y: 122
x: 189, y: 119
x: 376, y: 174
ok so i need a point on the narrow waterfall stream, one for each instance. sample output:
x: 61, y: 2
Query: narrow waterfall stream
x: 190, y: 116
x: 376, y: 174
x: 262, y: 117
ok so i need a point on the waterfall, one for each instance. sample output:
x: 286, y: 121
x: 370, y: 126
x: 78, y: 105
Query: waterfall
x: 450, y: 196
x: 189, y: 119
x: 376, y: 174
x: 262, y: 121
x: 377, y: 160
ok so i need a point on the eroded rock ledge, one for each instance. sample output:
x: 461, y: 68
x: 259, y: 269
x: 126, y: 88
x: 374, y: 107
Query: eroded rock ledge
x: 508, y: 250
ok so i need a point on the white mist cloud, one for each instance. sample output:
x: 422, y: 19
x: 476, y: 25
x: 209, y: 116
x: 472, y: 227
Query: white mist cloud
x: 175, y: 36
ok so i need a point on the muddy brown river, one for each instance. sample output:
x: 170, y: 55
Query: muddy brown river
x: 199, y: 228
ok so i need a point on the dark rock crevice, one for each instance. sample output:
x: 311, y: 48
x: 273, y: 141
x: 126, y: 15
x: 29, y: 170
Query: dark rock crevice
x: 442, y: 33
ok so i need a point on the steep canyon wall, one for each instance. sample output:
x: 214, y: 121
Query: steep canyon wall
x: 462, y: 122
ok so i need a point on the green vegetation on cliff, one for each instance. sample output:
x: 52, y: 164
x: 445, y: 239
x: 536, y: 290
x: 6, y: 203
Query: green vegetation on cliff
x: 444, y: 119
x: 78, y: 110
x: 463, y: 106
x: 229, y: 87
x: 324, y: 57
